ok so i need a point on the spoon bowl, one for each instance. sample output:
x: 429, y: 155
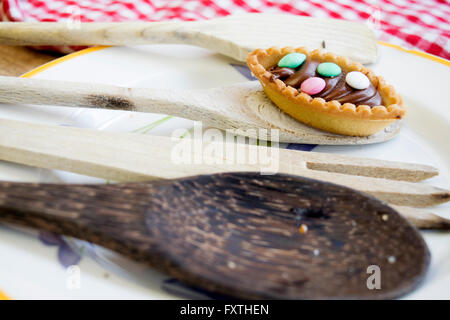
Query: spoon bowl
x: 256, y: 109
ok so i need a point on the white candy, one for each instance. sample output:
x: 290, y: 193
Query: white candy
x: 357, y: 80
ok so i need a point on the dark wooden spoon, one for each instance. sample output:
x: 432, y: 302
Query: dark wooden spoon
x: 238, y: 234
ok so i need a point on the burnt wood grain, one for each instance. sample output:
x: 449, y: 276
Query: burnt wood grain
x: 110, y: 102
x: 237, y: 233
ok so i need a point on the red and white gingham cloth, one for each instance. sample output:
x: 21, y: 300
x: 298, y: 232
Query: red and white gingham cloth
x: 420, y: 24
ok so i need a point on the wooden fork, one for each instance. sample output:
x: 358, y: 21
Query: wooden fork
x: 125, y: 157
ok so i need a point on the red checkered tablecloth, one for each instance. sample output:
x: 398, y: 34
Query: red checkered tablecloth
x: 420, y: 24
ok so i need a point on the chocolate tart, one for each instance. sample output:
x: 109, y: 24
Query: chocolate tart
x: 338, y: 108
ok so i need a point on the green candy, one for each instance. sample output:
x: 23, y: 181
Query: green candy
x: 328, y: 69
x: 292, y: 60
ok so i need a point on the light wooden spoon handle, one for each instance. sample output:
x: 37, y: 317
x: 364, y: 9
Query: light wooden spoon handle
x: 61, y: 93
x: 92, y: 33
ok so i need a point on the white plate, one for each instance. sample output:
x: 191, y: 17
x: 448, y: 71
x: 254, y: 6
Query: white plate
x: 30, y: 269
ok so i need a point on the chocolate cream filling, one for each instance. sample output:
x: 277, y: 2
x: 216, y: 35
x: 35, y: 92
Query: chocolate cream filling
x: 335, y: 89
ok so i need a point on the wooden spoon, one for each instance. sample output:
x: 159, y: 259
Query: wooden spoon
x: 234, y: 36
x: 242, y: 108
x: 240, y: 234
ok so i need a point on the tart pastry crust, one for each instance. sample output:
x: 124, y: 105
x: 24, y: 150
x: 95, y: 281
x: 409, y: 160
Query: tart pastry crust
x: 332, y: 116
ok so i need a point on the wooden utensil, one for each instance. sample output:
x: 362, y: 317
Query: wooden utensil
x: 237, y: 233
x: 133, y: 157
x: 19, y: 60
x: 423, y: 219
x: 242, y: 108
x: 234, y: 36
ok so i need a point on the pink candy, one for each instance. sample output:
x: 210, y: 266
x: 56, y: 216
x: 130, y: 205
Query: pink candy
x: 313, y: 85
